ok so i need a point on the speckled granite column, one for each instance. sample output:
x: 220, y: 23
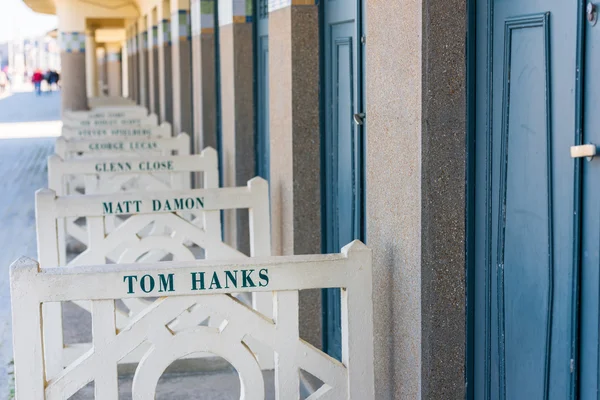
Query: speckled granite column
x: 165, y: 63
x: 114, y: 71
x: 143, y: 64
x: 415, y: 166
x: 237, y: 111
x: 101, y: 60
x: 295, y: 144
x: 203, y: 75
x: 129, y: 65
x: 181, y: 54
x: 135, y: 74
x: 91, y: 65
x: 72, y: 58
x: 153, y: 63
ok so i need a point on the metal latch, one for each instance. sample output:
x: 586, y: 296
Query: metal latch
x: 584, y: 150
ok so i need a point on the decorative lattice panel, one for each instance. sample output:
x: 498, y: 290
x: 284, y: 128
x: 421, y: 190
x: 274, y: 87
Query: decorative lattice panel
x: 159, y: 224
x: 280, y: 277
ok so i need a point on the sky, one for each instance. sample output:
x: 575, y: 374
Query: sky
x: 16, y: 19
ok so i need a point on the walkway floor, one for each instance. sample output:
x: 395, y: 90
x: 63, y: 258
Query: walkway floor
x: 27, y: 123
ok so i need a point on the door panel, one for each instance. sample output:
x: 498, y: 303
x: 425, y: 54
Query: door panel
x: 262, y: 89
x: 589, y: 356
x: 524, y: 208
x: 342, y: 148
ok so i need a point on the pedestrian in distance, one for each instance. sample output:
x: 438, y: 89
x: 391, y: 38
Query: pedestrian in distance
x: 3, y: 82
x: 37, y: 79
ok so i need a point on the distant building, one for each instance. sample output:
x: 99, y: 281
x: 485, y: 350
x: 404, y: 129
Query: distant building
x: 25, y: 55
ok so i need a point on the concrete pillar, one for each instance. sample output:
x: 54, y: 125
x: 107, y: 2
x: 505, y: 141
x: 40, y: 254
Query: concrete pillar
x: 181, y: 54
x: 203, y: 75
x: 143, y: 63
x: 153, y: 62
x: 91, y: 65
x: 73, y: 68
x: 113, y: 69
x: 102, y: 73
x: 295, y: 144
x: 125, y: 69
x: 237, y: 110
x: 416, y: 195
x: 135, y: 74
x: 165, y: 62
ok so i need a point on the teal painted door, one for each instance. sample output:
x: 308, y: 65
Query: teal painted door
x: 589, y: 314
x: 526, y: 214
x: 342, y: 145
x: 262, y: 87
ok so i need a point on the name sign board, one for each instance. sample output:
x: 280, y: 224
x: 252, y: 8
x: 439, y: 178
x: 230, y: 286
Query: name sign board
x: 163, y: 130
x: 67, y: 148
x: 121, y: 112
x: 252, y: 196
x: 189, y: 288
x: 129, y: 121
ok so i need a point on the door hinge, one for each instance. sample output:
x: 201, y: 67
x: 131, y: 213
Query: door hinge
x: 572, y: 365
x: 359, y: 118
x: 363, y: 39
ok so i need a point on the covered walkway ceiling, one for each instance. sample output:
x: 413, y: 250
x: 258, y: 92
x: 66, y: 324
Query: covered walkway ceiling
x: 49, y: 6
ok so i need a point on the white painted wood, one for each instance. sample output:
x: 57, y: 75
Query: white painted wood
x: 351, y: 271
x: 110, y: 101
x: 107, y: 113
x: 125, y: 243
x: 164, y: 171
x: 119, y: 147
x: 164, y: 130
x: 151, y: 119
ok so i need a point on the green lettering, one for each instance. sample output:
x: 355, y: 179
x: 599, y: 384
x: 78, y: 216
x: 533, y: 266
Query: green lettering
x: 129, y: 279
x: 107, y: 207
x: 229, y: 276
x: 197, y: 278
x: 179, y: 204
x: 200, y: 200
x: 263, y: 275
x: 119, y: 209
x: 137, y: 205
x: 189, y: 203
x: 215, y: 282
x: 247, y: 279
x: 149, y: 286
x: 167, y: 205
x: 165, y: 284
x: 156, y: 206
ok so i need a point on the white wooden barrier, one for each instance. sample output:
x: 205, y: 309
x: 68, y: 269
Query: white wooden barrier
x: 109, y: 101
x: 151, y: 119
x: 109, y: 175
x: 163, y: 130
x: 75, y: 148
x: 107, y: 113
x: 186, y: 285
x: 127, y: 243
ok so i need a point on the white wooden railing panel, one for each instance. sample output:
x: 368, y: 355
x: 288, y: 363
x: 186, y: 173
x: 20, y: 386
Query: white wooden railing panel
x: 125, y: 243
x: 101, y: 102
x: 117, y: 131
x: 282, y: 277
x: 151, y: 119
x: 107, y: 113
x: 101, y: 177
x: 119, y: 147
